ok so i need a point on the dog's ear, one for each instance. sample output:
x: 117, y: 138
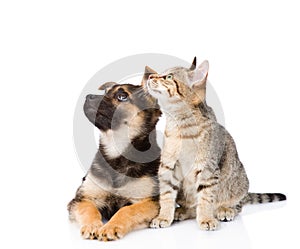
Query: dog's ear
x: 107, y: 86
x: 148, y: 71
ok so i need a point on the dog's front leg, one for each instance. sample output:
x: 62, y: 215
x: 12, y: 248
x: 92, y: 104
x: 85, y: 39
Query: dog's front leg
x: 128, y: 218
x: 88, y: 216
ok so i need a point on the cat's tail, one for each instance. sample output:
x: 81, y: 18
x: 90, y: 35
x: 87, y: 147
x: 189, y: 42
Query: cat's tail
x: 255, y: 198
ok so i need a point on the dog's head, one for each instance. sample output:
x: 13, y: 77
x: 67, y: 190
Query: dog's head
x: 123, y: 105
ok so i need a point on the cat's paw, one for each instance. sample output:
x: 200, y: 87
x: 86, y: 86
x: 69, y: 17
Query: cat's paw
x: 182, y: 213
x: 225, y: 214
x: 111, y: 232
x: 209, y: 224
x: 161, y: 222
x: 89, y: 231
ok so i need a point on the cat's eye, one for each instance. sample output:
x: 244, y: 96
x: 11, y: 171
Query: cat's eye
x: 122, y: 96
x: 169, y: 77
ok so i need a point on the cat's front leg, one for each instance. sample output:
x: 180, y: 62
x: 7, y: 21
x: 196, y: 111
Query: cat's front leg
x: 206, y: 199
x: 169, y: 186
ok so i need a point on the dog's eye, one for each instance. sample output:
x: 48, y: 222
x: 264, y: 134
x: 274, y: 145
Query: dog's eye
x: 122, y: 96
x: 169, y: 77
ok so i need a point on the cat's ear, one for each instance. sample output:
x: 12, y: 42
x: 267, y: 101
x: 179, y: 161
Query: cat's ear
x: 148, y: 71
x: 107, y: 86
x: 200, y: 75
x: 198, y: 82
x: 194, y: 64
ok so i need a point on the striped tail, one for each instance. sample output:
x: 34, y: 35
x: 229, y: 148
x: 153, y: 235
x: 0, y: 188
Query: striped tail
x: 255, y: 198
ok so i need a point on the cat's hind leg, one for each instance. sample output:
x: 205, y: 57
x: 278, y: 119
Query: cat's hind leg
x: 226, y: 213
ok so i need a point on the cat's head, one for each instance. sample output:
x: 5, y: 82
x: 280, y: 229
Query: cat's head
x: 183, y: 74
x: 168, y: 87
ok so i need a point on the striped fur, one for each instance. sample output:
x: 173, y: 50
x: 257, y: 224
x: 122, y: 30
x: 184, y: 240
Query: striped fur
x: 184, y: 75
x: 258, y: 198
x: 200, y: 168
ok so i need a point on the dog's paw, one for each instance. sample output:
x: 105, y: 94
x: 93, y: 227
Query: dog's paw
x: 225, y: 214
x: 89, y: 231
x: 111, y: 232
x: 161, y: 222
x: 209, y: 224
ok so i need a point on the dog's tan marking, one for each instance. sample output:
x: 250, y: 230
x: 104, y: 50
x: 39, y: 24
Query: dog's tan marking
x: 137, y: 189
x: 129, y: 218
x: 89, y: 218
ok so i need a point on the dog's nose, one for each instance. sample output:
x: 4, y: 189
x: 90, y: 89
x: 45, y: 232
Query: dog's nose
x: 90, y: 96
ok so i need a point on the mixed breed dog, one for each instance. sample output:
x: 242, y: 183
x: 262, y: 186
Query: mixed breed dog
x: 134, y: 184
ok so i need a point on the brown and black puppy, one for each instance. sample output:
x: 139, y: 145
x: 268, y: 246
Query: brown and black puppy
x: 121, y: 184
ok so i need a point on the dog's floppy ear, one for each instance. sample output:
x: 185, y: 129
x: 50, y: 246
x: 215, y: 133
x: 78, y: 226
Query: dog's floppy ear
x: 107, y: 86
x: 148, y: 71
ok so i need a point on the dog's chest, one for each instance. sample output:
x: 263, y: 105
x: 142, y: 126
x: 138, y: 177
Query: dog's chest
x: 136, y: 188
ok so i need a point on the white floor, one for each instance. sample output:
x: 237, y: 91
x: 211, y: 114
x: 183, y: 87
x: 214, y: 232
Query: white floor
x: 259, y: 226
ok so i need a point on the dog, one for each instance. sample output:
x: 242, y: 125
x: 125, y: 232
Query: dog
x: 121, y: 185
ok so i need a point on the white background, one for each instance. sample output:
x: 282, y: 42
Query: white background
x: 50, y: 49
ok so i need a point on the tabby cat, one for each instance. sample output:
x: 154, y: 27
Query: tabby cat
x: 185, y: 75
x: 200, y: 168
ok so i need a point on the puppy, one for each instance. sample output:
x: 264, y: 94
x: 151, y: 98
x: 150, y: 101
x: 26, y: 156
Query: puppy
x: 121, y: 185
